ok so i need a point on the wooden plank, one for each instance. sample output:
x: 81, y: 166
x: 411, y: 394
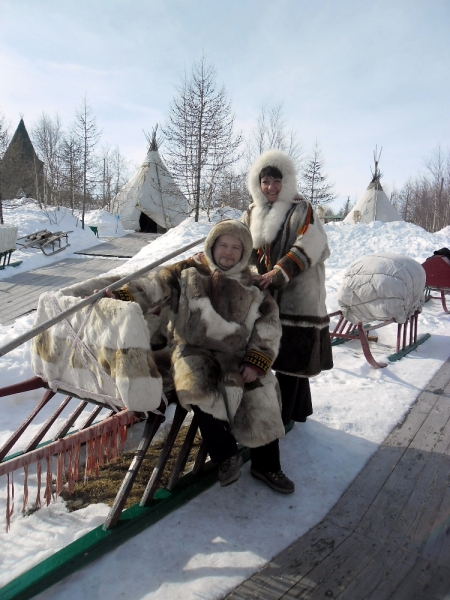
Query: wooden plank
x: 405, y: 431
x: 427, y: 581
x: 336, y: 572
x: 414, y: 525
x: 21, y: 293
x: 381, y: 576
x: 382, y: 516
x: 356, y: 500
x: 437, y: 547
x: 294, y: 563
x: 126, y: 246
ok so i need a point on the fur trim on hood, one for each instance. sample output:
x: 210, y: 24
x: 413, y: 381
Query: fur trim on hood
x: 268, y: 218
x: 280, y: 160
x: 229, y: 227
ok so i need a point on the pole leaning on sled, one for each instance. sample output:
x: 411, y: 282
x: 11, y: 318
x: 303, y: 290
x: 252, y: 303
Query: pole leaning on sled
x: 90, y: 299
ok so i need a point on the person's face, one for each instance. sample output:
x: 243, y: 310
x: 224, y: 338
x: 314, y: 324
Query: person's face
x: 227, y: 251
x: 271, y: 188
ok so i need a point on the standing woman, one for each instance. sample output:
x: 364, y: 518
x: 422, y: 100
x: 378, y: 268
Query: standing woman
x: 289, y: 250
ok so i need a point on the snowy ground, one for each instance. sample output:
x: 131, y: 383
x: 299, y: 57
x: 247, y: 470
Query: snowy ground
x: 213, y: 543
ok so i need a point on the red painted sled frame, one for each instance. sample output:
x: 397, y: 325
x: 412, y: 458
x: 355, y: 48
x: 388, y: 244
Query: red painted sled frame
x: 104, y: 441
x: 437, y: 270
x: 407, y: 339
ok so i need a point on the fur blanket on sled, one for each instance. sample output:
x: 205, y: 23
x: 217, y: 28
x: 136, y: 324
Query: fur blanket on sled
x: 100, y: 352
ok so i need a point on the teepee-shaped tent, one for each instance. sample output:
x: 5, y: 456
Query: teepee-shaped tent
x: 373, y: 205
x: 21, y: 171
x: 151, y: 201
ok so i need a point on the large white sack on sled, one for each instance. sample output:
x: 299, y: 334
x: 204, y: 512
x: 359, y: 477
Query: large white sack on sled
x: 121, y: 365
x: 382, y: 287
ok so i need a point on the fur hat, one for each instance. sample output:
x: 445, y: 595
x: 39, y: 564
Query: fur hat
x: 229, y: 227
x: 280, y: 160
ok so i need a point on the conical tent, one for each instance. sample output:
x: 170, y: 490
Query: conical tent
x: 152, y: 192
x: 373, y: 205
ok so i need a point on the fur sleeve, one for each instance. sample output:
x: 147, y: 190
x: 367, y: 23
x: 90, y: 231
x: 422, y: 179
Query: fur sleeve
x: 309, y: 248
x: 262, y: 347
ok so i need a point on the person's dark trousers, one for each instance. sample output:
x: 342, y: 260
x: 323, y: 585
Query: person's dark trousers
x: 296, y: 401
x: 220, y: 443
x: 266, y: 459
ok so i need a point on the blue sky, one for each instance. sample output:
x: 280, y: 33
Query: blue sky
x: 352, y: 73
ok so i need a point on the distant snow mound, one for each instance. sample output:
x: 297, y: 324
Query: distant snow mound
x: 108, y: 225
x: 382, y: 287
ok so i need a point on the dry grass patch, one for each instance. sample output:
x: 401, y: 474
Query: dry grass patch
x: 104, y: 488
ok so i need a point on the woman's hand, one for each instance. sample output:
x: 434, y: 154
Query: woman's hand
x: 248, y: 373
x: 265, y: 280
x: 108, y: 294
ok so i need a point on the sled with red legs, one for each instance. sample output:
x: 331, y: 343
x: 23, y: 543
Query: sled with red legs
x: 437, y: 269
x: 407, y: 336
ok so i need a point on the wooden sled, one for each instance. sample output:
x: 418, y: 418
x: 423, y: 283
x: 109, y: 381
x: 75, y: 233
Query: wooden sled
x: 102, y: 441
x: 47, y: 241
x: 407, y: 339
x: 437, y: 269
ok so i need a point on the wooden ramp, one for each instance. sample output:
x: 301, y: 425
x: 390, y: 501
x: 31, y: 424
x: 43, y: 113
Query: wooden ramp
x: 19, y: 295
x: 388, y: 537
x: 123, y: 247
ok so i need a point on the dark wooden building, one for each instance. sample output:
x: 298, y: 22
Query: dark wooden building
x: 21, y: 171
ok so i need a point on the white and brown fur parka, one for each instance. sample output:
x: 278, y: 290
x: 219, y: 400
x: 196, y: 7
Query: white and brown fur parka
x: 288, y: 236
x: 214, y: 321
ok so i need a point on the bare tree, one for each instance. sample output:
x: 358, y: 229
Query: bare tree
x: 344, y: 210
x: 47, y: 138
x: 200, y: 143
x: 4, y: 142
x: 425, y: 200
x: 271, y: 132
x: 87, y: 133
x: 313, y: 181
x: 5, y: 137
x: 115, y: 172
x: 72, y: 172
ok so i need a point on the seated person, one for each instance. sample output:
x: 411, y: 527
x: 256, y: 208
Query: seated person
x: 223, y: 334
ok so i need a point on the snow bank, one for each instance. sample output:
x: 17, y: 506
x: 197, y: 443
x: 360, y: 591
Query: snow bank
x: 108, y: 225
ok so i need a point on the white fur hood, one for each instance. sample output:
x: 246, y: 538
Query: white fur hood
x: 280, y: 160
x: 267, y: 218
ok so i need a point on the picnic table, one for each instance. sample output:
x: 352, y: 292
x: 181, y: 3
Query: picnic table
x: 45, y: 240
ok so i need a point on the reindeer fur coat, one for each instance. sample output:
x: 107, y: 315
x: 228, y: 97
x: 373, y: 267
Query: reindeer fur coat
x: 216, y: 320
x: 288, y: 236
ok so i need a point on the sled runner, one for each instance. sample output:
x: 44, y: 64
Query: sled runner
x: 47, y: 241
x: 407, y: 338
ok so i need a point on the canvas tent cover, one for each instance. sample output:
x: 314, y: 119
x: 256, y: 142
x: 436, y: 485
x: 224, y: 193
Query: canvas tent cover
x: 382, y: 287
x: 373, y: 205
x: 153, y: 191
